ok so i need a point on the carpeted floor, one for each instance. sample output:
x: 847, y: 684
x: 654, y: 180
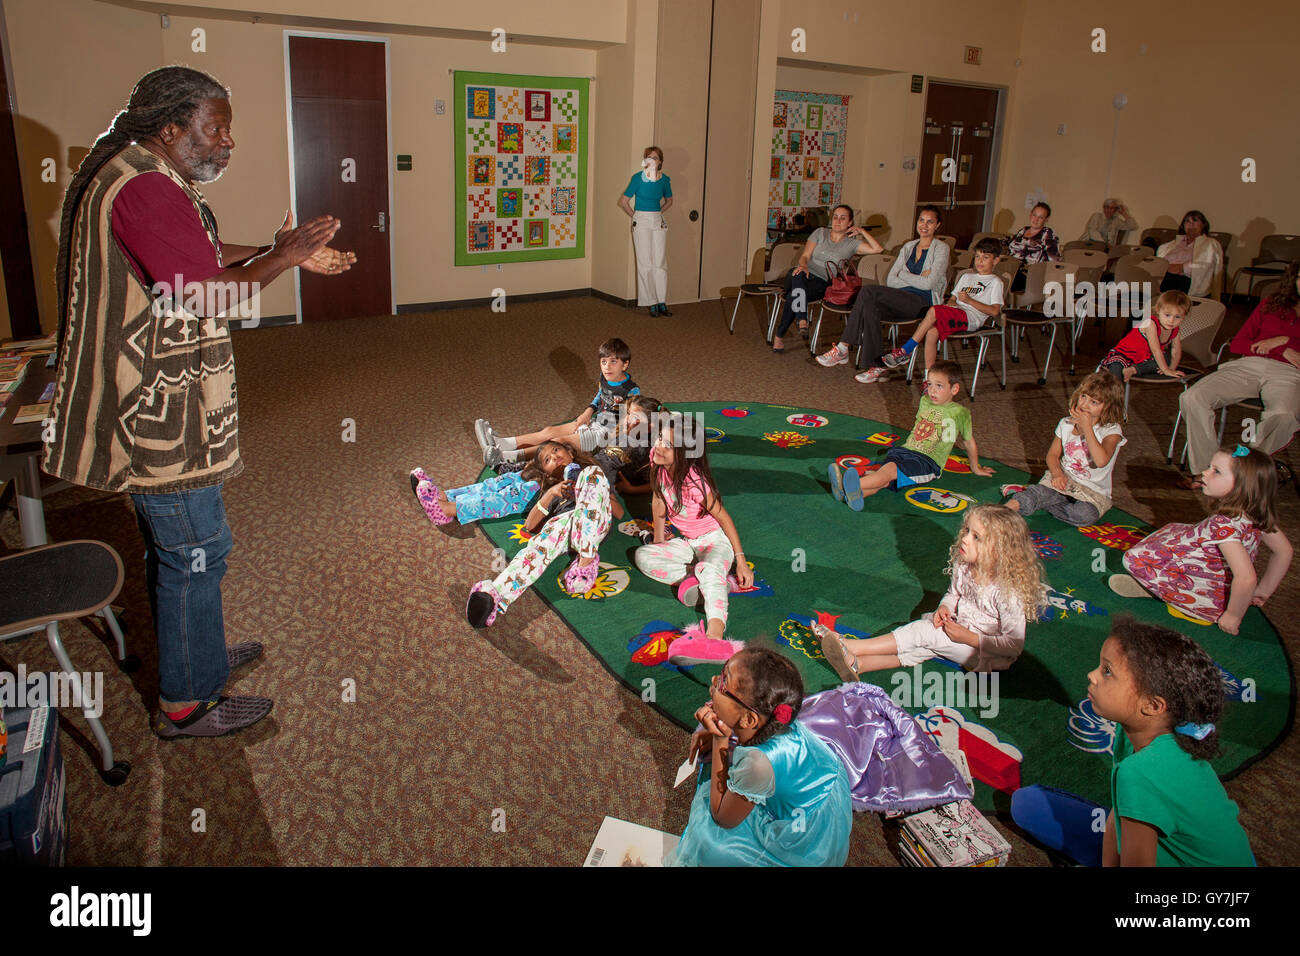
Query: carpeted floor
x: 455, y: 730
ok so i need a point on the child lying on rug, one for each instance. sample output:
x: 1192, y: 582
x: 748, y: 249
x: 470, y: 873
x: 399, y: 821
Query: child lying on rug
x: 1076, y: 487
x: 1207, y: 570
x: 772, y: 794
x: 582, y: 527
x: 1166, y: 695
x: 698, y: 562
x: 592, y: 429
x: 940, y: 423
x: 997, y: 587
x: 625, y: 463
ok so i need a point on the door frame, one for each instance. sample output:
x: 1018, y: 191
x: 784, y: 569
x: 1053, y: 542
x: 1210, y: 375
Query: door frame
x: 388, y: 133
x: 995, y: 155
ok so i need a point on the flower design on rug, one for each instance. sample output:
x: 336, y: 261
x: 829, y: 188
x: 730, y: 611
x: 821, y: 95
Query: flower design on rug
x: 787, y: 439
x: 611, y: 581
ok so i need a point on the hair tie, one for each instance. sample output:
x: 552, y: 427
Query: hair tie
x: 1241, y: 452
x: 783, y: 714
x: 1197, y: 731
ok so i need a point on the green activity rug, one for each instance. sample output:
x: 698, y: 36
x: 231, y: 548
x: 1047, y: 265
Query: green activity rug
x: 868, y: 572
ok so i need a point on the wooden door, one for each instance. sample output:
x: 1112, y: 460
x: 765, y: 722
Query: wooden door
x: 681, y: 128
x: 960, y: 125
x: 730, y: 146
x: 339, y: 123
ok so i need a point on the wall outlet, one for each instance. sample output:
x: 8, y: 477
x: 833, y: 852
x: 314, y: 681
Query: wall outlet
x: 439, y: 107
x: 1060, y: 129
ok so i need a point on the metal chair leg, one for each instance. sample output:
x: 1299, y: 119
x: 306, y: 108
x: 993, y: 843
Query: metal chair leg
x: 979, y: 363
x: 816, y: 331
x: 1042, y: 379
x: 1169, y: 458
x: 74, y: 678
x: 771, y: 322
x: 731, y: 329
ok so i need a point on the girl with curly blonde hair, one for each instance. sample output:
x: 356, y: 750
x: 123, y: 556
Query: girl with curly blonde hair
x: 997, y: 588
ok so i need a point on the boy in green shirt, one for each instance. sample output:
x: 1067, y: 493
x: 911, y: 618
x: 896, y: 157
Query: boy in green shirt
x: 940, y: 423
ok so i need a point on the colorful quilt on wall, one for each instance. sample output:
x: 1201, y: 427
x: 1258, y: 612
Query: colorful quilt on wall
x: 807, y: 168
x: 521, y: 167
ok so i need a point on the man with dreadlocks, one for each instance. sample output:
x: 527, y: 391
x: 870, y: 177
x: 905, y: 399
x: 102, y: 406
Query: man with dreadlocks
x: 145, y: 401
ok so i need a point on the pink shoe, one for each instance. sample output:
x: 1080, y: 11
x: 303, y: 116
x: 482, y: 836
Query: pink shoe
x: 694, y: 648
x: 688, y: 592
x: 427, y: 494
x: 579, y: 579
x: 481, y: 608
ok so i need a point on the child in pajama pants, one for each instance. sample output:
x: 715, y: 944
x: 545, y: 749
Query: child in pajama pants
x: 686, y: 495
x: 496, y: 497
x: 582, y: 529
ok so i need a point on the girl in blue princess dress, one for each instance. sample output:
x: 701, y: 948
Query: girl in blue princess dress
x: 775, y: 795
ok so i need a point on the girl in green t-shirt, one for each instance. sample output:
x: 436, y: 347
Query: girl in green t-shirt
x: 1168, y: 806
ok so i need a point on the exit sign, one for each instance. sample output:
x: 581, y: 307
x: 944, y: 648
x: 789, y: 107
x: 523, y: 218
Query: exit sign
x: 973, y: 55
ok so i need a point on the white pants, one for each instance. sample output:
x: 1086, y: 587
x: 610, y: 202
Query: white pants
x: 712, y: 556
x: 650, y: 239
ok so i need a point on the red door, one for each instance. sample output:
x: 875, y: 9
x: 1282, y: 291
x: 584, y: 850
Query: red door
x: 960, y: 130
x: 339, y: 102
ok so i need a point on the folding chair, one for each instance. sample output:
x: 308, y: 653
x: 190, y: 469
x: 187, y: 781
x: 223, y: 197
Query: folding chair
x: 42, y: 586
x: 1197, y: 332
x: 1275, y: 254
x: 991, y: 329
x: 1093, y: 245
x: 866, y: 270
x: 784, y: 256
x: 1022, y: 315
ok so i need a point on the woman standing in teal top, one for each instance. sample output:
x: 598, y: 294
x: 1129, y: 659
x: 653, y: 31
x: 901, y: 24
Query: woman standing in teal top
x: 654, y: 194
x: 772, y: 793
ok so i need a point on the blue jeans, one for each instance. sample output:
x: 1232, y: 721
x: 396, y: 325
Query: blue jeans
x: 186, y: 541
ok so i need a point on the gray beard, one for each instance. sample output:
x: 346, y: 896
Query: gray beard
x: 208, y: 172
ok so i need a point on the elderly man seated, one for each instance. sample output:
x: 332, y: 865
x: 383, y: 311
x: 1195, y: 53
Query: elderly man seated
x: 1110, y: 224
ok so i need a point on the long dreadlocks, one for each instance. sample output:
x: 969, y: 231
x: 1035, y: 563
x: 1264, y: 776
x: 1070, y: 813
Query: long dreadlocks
x: 168, y: 95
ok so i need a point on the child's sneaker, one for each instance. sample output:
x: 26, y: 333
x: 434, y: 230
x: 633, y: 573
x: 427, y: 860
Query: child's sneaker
x: 872, y: 375
x: 836, y: 475
x: 688, y: 592
x: 836, y: 356
x: 693, y: 647
x: 1009, y: 490
x: 483, y: 432
x: 492, y: 456
x: 895, y: 358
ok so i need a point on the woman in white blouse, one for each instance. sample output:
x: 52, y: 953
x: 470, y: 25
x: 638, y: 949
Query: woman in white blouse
x: 1194, y: 256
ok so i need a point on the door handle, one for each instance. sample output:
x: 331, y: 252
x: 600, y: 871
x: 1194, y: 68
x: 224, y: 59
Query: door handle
x: 381, y: 226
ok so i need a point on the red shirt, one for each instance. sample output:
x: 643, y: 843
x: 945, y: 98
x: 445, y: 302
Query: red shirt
x: 1266, y: 323
x: 160, y: 234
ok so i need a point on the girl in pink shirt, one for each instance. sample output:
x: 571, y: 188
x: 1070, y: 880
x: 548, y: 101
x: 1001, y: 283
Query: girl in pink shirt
x: 686, y: 496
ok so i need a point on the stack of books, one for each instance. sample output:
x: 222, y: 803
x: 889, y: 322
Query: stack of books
x: 13, y: 368
x: 955, y: 834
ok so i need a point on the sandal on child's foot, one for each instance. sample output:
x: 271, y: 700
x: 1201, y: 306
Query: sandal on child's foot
x: 580, y: 578
x: 837, y: 655
x: 1125, y: 585
x: 481, y: 608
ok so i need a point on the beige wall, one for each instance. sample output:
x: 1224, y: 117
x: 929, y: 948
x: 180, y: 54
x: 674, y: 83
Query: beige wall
x: 625, y: 122
x: 764, y: 91
x: 927, y: 38
x: 1206, y: 87
x: 66, y: 102
x: 594, y: 22
x: 73, y: 64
